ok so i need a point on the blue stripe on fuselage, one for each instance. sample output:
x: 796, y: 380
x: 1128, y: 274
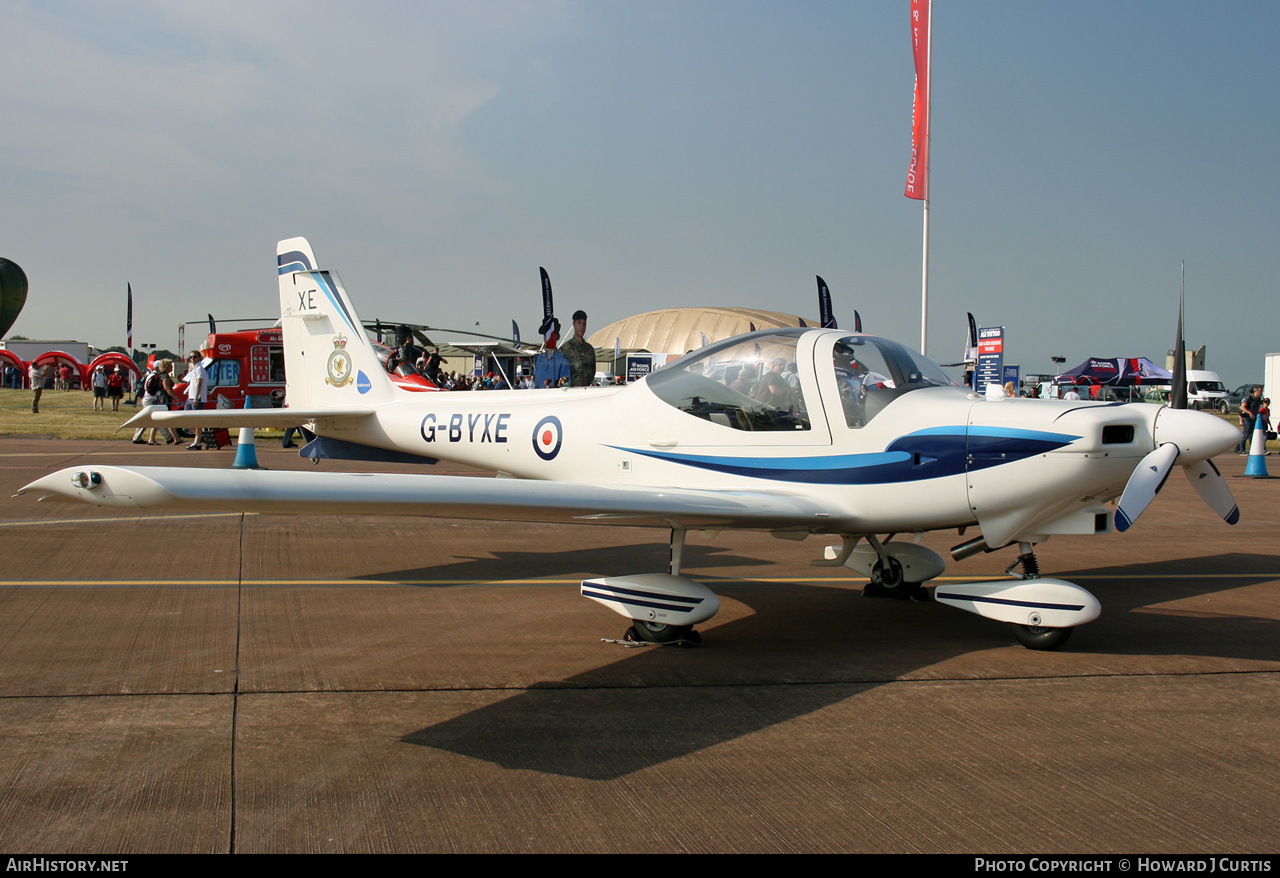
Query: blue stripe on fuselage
x: 931, y: 453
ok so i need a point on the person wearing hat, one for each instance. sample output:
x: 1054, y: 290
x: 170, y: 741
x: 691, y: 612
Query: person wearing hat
x: 580, y: 354
x: 99, y: 389
x: 115, y: 387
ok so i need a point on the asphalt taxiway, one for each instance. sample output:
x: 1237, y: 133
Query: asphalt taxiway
x: 214, y: 683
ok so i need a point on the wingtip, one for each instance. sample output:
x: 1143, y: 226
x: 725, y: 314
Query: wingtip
x: 44, y: 494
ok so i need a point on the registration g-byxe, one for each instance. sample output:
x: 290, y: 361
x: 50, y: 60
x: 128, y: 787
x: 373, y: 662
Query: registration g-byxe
x: 876, y: 445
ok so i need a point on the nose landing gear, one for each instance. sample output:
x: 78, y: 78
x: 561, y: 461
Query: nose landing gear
x: 1041, y: 611
x: 1034, y: 635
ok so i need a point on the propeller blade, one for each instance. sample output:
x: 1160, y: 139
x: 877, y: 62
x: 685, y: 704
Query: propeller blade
x: 1212, y: 487
x: 1144, y: 484
x: 1178, y: 390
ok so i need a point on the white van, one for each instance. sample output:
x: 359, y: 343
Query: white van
x: 1205, y: 391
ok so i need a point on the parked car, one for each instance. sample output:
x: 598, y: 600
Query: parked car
x: 1235, y: 397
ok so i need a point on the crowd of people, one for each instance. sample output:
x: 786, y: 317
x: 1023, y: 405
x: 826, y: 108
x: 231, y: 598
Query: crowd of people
x: 569, y: 364
x: 112, y: 383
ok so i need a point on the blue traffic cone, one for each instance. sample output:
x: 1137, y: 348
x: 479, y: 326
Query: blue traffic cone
x: 246, y: 453
x: 1256, y: 468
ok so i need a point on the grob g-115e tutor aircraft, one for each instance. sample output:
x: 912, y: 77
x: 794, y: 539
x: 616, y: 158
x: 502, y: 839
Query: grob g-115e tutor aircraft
x: 873, y: 439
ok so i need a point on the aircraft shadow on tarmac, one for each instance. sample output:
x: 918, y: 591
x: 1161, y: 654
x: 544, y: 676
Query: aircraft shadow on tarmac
x: 526, y: 566
x: 808, y: 647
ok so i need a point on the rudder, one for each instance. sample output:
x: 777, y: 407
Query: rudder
x: 328, y: 359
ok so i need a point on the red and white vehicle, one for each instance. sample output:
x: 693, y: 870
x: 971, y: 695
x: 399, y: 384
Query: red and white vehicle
x: 250, y: 363
x: 246, y: 363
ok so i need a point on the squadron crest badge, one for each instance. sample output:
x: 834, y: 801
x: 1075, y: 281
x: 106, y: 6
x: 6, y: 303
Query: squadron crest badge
x: 339, y: 365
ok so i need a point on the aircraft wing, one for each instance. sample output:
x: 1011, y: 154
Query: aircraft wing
x: 159, y: 416
x: 433, y: 496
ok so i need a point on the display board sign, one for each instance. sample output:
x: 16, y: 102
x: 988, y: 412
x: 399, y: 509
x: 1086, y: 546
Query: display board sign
x: 990, y: 357
x: 638, y: 366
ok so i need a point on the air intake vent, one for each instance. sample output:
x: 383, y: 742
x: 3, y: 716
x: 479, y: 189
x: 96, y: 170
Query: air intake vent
x: 1117, y: 434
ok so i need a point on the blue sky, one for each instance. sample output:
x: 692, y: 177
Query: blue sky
x: 650, y: 154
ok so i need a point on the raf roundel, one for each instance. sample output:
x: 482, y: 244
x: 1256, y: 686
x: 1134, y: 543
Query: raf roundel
x: 546, y: 437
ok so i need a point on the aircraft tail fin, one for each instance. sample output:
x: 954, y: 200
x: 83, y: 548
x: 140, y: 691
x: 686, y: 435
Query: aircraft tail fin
x: 328, y: 359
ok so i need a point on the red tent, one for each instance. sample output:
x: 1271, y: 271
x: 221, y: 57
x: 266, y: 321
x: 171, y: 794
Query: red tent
x: 12, y: 359
x: 108, y: 362
x: 57, y: 359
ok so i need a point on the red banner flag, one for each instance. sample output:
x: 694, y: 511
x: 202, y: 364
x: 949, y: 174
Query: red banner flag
x: 918, y: 172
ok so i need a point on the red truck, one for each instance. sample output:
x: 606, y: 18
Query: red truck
x: 250, y: 362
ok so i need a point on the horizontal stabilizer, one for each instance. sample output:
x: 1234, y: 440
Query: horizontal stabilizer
x: 159, y: 416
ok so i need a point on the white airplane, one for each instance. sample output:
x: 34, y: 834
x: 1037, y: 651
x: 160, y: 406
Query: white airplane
x: 872, y: 440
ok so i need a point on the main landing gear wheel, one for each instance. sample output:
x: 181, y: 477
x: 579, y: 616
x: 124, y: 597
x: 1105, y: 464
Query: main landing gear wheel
x: 888, y: 581
x: 1039, y: 637
x: 656, y: 632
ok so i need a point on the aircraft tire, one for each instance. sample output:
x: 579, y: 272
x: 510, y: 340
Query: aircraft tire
x: 1039, y: 637
x: 653, y: 632
x: 889, y: 582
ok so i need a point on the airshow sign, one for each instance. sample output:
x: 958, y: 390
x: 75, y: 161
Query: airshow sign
x: 990, y: 357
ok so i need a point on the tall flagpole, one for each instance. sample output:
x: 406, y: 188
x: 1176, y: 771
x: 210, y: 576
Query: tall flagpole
x: 928, y: 135
x: 924, y: 287
x: 918, y: 172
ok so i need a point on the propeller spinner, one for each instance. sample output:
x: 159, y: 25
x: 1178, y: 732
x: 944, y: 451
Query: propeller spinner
x: 1190, y: 439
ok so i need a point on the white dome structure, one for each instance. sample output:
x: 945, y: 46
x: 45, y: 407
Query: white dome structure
x: 678, y: 330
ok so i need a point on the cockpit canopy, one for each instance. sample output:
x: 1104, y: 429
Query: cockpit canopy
x: 746, y: 383
x: 754, y: 382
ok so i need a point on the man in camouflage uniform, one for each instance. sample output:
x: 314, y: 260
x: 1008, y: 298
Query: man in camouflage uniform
x: 580, y: 354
